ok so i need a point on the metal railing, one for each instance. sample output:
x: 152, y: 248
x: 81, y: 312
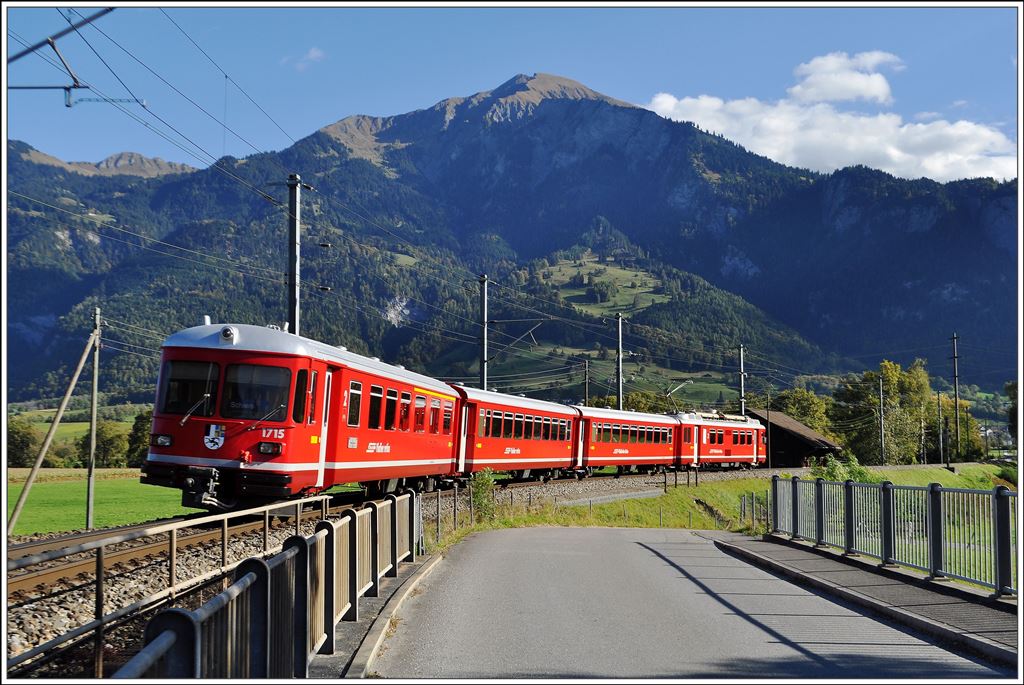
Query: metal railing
x: 175, y: 584
x: 970, y: 535
x: 282, y: 611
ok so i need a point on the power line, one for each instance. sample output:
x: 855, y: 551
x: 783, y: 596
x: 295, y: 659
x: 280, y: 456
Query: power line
x: 226, y: 75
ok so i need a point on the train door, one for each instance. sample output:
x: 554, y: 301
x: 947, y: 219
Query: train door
x: 464, y: 437
x: 581, y: 440
x: 325, y: 415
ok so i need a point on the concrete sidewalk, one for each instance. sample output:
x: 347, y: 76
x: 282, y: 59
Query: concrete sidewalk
x: 966, y: 618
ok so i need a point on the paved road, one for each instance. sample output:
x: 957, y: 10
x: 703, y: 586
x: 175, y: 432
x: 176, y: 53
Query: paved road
x: 638, y: 603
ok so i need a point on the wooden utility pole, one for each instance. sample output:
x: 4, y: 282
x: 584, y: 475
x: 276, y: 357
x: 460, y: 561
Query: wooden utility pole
x: 90, y: 488
x: 881, y: 419
x: 618, y: 360
x: 483, y: 333
x: 956, y: 396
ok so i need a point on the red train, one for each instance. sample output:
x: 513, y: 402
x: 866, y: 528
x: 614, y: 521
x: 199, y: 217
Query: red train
x: 246, y: 414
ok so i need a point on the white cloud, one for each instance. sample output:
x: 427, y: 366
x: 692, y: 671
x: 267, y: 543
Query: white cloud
x: 809, y: 132
x: 312, y: 56
x: 837, y: 77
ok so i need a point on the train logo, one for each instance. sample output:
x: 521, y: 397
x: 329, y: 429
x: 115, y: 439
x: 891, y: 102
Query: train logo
x: 214, y: 437
x: 378, y: 448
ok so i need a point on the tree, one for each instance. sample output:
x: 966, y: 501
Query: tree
x: 138, y: 439
x: 806, y: 407
x: 22, y: 442
x: 111, y: 446
x: 855, y: 412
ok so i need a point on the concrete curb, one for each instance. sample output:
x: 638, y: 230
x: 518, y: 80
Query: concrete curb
x: 367, y: 651
x: 975, y: 643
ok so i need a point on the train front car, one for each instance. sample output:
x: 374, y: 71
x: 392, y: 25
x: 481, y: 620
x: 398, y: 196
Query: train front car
x: 238, y: 417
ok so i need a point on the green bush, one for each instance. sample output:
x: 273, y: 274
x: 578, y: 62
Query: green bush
x: 481, y: 488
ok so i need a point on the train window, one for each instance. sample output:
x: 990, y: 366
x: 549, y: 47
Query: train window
x: 355, y: 396
x: 184, y: 386
x: 481, y: 426
x: 403, y: 414
x: 560, y: 430
x: 659, y: 434
x: 447, y: 426
x: 256, y: 392
x: 650, y: 435
x: 420, y: 413
x: 632, y: 433
x: 390, y: 409
x: 517, y: 425
x: 508, y: 425
x: 546, y: 429
x: 764, y: 439
x: 495, y: 425
x: 528, y: 428
x: 538, y: 424
x: 312, y: 399
x: 376, y: 405
x: 688, y: 435
x: 435, y: 415
x: 299, y: 401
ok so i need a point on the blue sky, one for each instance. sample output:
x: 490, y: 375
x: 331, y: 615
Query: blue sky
x: 918, y: 91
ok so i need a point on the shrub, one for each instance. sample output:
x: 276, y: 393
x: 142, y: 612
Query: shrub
x: 481, y: 488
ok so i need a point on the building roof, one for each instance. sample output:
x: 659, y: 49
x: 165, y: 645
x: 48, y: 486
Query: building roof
x: 791, y: 425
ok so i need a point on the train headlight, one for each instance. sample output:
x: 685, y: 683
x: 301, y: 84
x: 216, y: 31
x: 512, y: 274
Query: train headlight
x: 270, y: 447
x: 162, y: 440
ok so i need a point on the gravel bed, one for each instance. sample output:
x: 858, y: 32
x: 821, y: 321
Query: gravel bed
x: 34, y: 620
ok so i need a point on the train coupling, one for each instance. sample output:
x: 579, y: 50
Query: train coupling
x: 200, y: 489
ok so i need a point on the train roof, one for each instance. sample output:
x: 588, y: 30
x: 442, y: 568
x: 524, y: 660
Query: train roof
x: 616, y: 415
x: 477, y: 395
x: 724, y: 420
x: 263, y: 339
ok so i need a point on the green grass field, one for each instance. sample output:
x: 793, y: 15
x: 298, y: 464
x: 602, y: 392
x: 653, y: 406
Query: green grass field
x: 68, y: 432
x: 57, y: 501
x: 624, y: 278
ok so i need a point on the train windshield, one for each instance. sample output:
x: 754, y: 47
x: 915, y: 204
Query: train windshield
x: 256, y: 392
x: 189, y: 387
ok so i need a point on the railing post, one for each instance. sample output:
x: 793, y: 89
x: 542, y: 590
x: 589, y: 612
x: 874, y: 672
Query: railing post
x: 353, y: 566
x: 888, y: 523
x: 935, y: 531
x: 819, y: 512
x: 259, y: 615
x: 1002, y: 539
x: 374, y: 589
x: 393, y: 571
x: 775, y: 504
x: 795, y: 507
x: 300, y: 619
x: 848, y: 518
x: 182, y: 660
x: 413, y: 537
x: 330, y: 573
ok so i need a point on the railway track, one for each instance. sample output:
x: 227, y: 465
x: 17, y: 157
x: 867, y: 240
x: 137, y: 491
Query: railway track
x: 36, y: 579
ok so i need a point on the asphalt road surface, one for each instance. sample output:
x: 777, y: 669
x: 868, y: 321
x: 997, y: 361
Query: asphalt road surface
x: 638, y: 603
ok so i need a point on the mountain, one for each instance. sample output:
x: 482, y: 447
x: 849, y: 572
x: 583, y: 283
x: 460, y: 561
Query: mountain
x: 122, y: 163
x: 813, y: 267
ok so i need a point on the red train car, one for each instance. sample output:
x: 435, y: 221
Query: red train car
x: 628, y: 440
x: 524, y: 436
x: 247, y: 413
x: 721, y: 440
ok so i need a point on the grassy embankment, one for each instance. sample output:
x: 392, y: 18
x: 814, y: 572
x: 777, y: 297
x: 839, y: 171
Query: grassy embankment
x: 710, y: 505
